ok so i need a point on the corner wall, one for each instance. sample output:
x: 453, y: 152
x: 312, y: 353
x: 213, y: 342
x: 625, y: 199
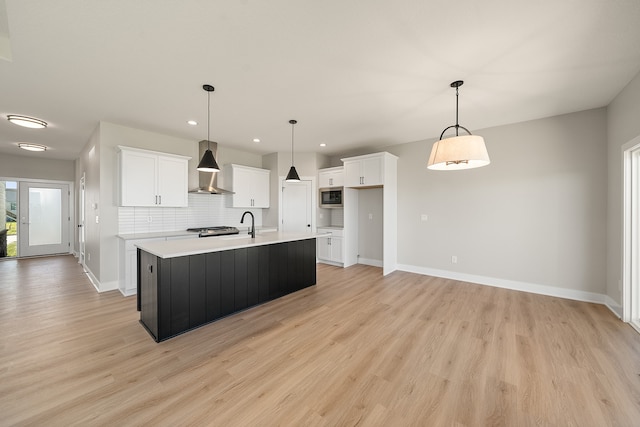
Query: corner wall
x: 534, y: 219
x: 623, y: 125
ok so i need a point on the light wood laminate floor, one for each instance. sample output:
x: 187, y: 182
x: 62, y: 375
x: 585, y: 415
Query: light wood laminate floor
x: 357, y: 349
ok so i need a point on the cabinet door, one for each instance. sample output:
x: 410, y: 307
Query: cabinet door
x: 372, y: 171
x: 323, y: 248
x: 261, y: 189
x: 251, y: 188
x: 242, y: 187
x: 337, y: 179
x: 352, y: 173
x: 336, y: 249
x: 324, y: 179
x: 137, y: 179
x: 173, y: 183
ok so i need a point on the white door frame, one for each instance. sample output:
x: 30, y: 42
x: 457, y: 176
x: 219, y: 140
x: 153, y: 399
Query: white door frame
x: 314, y: 200
x: 631, y: 233
x: 71, y: 204
x: 81, y: 223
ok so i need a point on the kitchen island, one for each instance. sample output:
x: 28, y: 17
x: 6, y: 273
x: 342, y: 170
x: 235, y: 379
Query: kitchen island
x: 185, y: 284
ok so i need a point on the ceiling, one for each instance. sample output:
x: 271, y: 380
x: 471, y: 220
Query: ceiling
x: 355, y: 74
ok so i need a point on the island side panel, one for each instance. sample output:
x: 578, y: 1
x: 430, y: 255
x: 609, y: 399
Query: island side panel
x: 309, y: 262
x: 148, y: 295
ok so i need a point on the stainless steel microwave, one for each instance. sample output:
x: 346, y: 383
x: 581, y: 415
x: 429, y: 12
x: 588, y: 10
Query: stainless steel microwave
x: 331, y: 197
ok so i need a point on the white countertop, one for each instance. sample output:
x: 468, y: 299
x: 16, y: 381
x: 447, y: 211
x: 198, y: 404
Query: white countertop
x: 159, y: 234
x: 178, y: 233
x: 185, y: 247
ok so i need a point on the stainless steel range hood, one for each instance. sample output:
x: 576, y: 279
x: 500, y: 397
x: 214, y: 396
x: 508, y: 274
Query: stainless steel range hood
x: 208, y: 181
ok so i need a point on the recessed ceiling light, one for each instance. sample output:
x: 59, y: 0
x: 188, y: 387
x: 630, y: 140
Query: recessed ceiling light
x: 31, y: 147
x: 192, y: 122
x: 256, y: 140
x: 28, y: 122
x: 323, y: 145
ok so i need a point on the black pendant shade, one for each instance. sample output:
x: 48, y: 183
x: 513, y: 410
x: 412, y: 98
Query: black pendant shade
x: 208, y: 162
x: 292, y: 176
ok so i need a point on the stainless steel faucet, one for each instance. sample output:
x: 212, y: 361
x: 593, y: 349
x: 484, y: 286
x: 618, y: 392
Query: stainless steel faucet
x: 253, y: 224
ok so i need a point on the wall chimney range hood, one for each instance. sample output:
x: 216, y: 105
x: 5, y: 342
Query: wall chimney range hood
x: 208, y: 181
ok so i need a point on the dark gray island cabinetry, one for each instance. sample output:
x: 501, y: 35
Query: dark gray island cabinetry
x: 182, y: 290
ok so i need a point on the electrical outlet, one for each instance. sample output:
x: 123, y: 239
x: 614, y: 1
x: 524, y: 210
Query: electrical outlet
x: 370, y: 216
x: 89, y: 256
x: 424, y: 217
x: 97, y: 219
x: 454, y: 259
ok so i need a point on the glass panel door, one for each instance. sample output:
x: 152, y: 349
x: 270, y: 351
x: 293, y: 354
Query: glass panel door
x: 44, y: 219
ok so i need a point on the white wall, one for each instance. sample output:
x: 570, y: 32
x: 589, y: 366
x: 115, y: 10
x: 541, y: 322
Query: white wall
x: 34, y: 167
x: 623, y: 124
x: 535, y: 216
x: 370, y: 225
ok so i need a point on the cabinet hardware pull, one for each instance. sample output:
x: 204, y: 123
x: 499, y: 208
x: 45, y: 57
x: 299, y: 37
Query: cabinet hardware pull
x: 150, y: 268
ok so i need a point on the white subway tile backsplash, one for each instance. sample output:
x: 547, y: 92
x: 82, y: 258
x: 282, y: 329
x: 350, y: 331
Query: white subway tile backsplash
x: 204, y: 210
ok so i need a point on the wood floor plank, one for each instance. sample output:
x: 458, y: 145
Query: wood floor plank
x: 356, y: 349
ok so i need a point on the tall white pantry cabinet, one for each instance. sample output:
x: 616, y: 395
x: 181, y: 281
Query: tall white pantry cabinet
x: 378, y: 170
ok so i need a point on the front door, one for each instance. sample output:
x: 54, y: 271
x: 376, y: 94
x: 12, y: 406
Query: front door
x: 44, y: 219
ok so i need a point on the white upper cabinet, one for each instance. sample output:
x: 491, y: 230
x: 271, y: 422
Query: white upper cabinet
x: 250, y: 186
x: 149, y: 178
x: 331, y: 177
x: 364, y: 171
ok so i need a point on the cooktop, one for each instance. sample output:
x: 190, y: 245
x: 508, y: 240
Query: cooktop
x: 220, y: 230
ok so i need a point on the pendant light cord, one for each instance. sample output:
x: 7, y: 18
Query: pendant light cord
x: 292, y: 126
x: 457, y: 125
x: 208, y: 119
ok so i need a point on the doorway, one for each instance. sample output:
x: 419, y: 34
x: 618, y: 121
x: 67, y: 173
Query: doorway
x: 8, y: 221
x: 631, y: 234
x: 43, y: 218
x: 297, y: 206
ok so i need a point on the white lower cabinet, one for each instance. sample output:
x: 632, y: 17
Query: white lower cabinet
x: 330, y: 248
x: 128, y: 280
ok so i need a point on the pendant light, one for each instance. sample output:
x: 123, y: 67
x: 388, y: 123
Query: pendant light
x: 458, y: 152
x: 208, y: 162
x: 292, y: 176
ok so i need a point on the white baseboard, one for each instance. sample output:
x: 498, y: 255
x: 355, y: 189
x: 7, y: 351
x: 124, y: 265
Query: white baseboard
x: 613, y: 306
x: 371, y: 262
x: 101, y: 287
x: 127, y: 293
x: 515, y: 285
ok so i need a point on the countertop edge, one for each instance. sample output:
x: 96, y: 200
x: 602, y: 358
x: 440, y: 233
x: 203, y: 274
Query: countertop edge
x: 186, y: 247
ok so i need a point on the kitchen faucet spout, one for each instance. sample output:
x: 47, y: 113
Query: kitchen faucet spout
x: 253, y: 224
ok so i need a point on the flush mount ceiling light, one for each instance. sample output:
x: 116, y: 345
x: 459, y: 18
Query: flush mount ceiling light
x: 192, y: 123
x: 458, y: 152
x: 27, y: 122
x: 292, y: 176
x: 208, y: 162
x: 32, y: 147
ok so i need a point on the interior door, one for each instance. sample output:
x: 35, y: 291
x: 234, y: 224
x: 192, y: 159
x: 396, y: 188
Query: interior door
x: 44, y: 219
x: 296, y: 207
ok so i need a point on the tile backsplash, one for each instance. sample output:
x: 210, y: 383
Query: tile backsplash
x: 204, y: 210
